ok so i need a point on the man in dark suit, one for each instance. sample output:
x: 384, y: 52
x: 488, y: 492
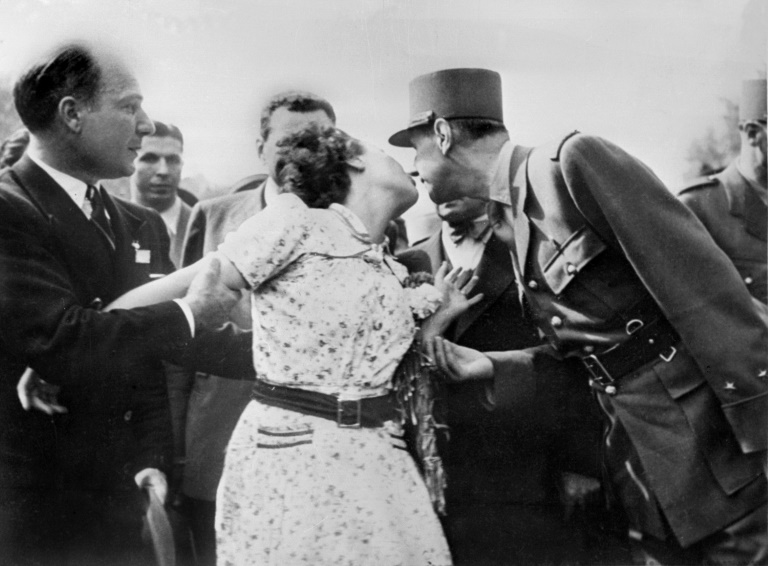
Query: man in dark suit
x: 618, y: 275
x: 214, y: 404
x: 733, y: 205
x: 69, y: 482
x: 504, y: 468
x: 155, y: 182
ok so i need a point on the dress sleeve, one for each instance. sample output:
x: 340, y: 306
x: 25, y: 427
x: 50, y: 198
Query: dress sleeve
x: 269, y: 241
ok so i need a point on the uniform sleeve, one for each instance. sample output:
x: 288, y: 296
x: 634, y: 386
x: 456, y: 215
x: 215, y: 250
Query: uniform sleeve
x: 269, y: 241
x: 688, y: 275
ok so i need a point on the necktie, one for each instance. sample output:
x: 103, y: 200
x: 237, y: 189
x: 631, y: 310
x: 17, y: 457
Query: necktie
x: 473, y: 229
x: 99, y: 215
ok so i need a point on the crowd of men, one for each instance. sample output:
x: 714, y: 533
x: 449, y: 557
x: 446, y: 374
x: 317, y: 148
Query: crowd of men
x: 606, y: 399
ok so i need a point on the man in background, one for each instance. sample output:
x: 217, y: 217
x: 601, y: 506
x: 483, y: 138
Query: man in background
x: 14, y: 147
x: 155, y: 182
x: 214, y: 403
x: 733, y: 204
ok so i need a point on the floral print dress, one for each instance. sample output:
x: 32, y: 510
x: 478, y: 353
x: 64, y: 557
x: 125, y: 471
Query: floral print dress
x: 329, y: 315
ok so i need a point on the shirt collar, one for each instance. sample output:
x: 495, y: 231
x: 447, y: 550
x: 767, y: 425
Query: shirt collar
x: 499, y: 189
x: 171, y: 216
x: 75, y: 188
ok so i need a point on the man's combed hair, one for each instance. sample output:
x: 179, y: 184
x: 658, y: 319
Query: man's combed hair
x: 163, y: 130
x: 472, y: 129
x: 312, y: 164
x: 294, y: 101
x: 71, y: 70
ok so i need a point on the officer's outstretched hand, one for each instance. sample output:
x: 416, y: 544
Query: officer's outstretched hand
x: 459, y: 363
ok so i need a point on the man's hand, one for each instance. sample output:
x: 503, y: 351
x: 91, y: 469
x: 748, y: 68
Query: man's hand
x: 459, y: 363
x: 577, y: 491
x: 153, y: 480
x: 36, y: 393
x: 209, y: 298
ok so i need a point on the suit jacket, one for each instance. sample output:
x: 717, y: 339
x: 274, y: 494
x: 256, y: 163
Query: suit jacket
x: 733, y: 212
x: 177, y: 241
x: 497, y: 456
x: 56, y: 272
x: 213, y: 405
x: 612, y: 236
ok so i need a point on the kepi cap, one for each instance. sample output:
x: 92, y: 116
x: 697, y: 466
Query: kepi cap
x: 452, y: 93
x: 753, y: 100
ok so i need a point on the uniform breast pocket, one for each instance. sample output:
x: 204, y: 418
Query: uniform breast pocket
x: 590, y: 276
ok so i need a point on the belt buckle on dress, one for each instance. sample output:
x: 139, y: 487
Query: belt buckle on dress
x: 595, y: 367
x: 356, y: 407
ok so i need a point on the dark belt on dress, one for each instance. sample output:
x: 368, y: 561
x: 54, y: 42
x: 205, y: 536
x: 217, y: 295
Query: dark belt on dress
x: 372, y: 412
x: 648, y: 341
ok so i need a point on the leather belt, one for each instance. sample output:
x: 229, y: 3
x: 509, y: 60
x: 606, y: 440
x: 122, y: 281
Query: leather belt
x: 348, y: 413
x: 650, y: 341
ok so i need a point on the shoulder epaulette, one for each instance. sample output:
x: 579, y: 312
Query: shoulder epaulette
x: 556, y: 155
x: 699, y: 183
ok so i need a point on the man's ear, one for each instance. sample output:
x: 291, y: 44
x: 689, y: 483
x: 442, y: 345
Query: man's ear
x: 442, y: 130
x: 753, y: 130
x: 356, y: 163
x: 71, y: 113
x: 260, y: 147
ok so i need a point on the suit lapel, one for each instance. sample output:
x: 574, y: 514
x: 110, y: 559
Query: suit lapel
x: 434, y: 248
x: 127, y: 228
x: 85, y: 254
x: 495, y: 275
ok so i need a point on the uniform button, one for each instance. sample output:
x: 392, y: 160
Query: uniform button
x: 533, y: 285
x: 556, y: 321
x: 127, y: 416
x: 97, y: 303
x: 570, y: 269
x: 748, y: 280
x: 588, y: 349
x: 610, y: 389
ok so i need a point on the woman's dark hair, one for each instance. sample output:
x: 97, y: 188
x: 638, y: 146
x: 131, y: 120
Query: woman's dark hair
x: 312, y: 164
x: 71, y: 70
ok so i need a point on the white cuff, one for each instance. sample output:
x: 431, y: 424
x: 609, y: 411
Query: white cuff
x: 139, y: 478
x: 188, y: 314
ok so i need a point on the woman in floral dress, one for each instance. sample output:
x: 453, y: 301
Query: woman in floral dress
x: 316, y: 470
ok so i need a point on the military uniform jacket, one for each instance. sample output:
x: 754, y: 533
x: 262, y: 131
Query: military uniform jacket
x: 592, y: 231
x: 56, y: 271
x: 733, y: 212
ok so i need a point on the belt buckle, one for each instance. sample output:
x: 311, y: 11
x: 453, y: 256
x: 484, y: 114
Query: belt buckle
x: 340, y: 413
x: 596, y: 368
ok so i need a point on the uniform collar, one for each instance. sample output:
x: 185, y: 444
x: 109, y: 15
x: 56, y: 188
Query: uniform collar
x: 499, y: 189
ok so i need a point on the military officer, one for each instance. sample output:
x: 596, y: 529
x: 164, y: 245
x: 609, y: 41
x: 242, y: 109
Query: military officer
x: 733, y: 205
x: 609, y: 267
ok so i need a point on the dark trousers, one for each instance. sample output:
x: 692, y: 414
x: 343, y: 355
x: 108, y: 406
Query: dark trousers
x: 744, y: 542
x: 48, y: 527
x: 202, y: 515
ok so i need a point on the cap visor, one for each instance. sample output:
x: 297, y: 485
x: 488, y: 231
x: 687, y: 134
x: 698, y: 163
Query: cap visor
x: 401, y: 138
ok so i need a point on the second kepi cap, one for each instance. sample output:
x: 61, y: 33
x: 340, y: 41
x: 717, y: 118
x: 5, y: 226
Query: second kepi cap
x: 753, y: 100
x: 452, y: 93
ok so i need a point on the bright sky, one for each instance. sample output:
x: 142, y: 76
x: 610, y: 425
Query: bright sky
x: 646, y: 75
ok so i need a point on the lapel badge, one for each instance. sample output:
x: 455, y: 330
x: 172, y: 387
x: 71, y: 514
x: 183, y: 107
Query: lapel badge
x: 142, y: 256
